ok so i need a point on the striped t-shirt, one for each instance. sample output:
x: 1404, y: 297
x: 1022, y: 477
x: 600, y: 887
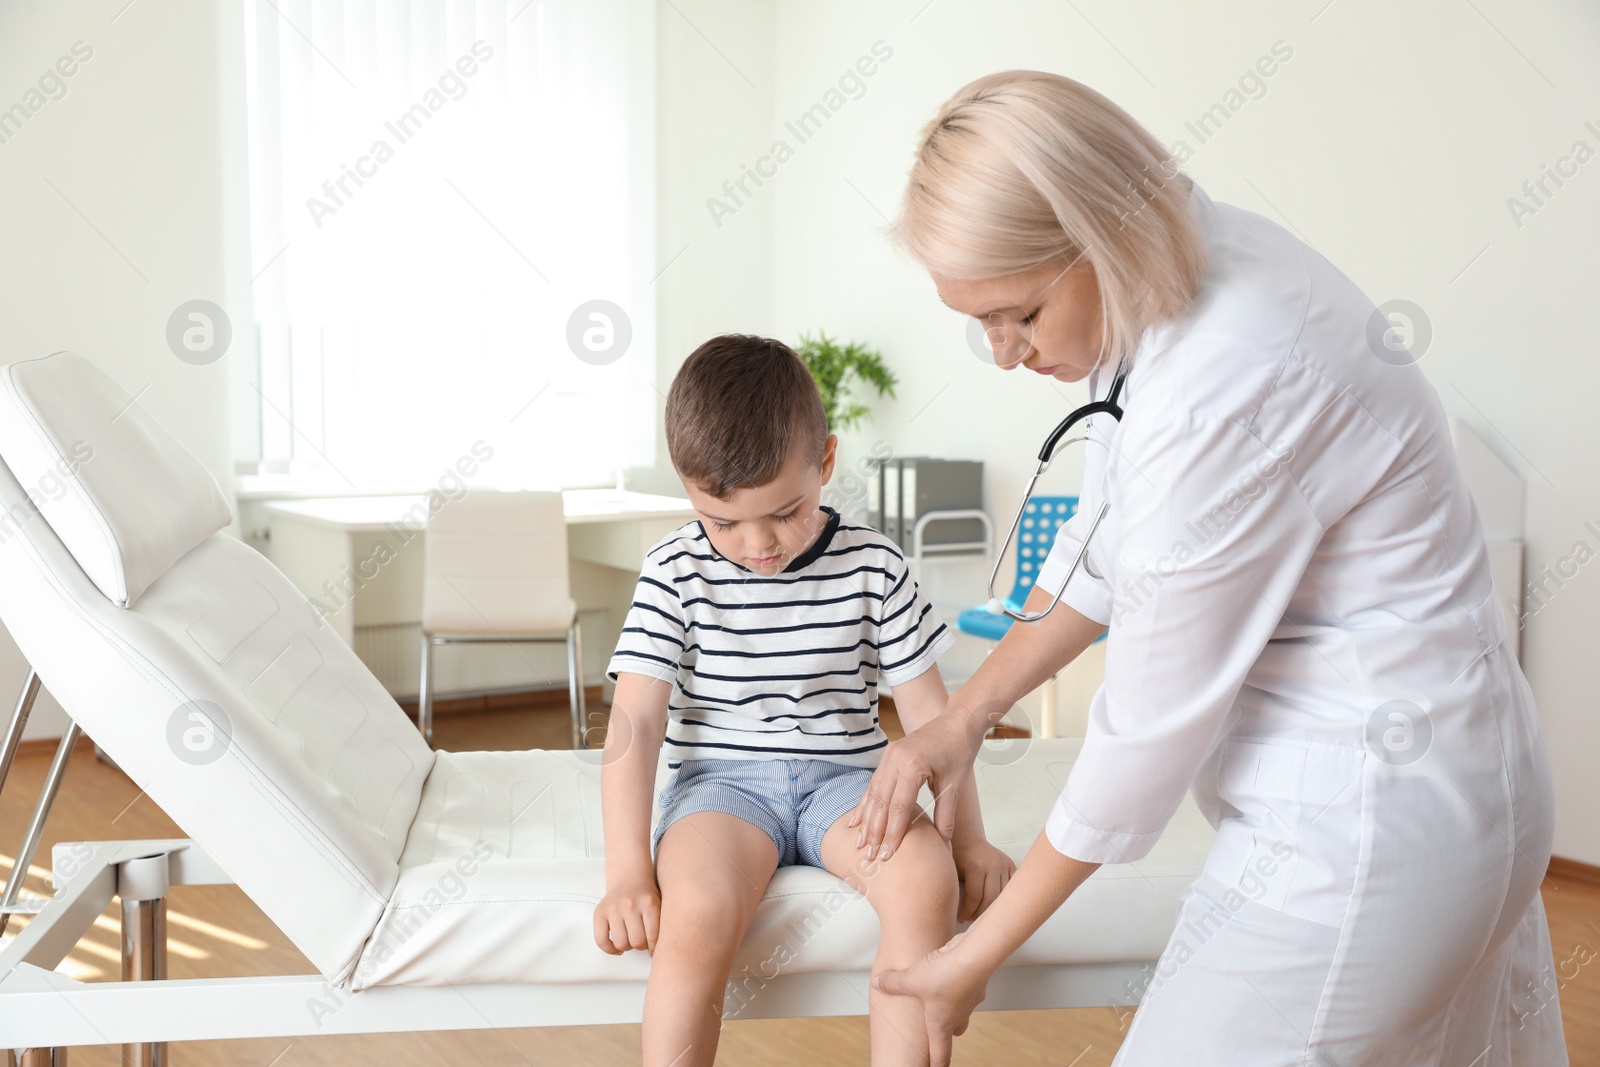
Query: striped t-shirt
x: 784, y: 666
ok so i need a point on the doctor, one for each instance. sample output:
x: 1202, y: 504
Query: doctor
x: 1302, y: 626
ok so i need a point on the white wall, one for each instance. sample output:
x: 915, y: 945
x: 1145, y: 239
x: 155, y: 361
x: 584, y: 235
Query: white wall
x: 715, y: 79
x: 118, y: 208
x: 1390, y: 140
x: 148, y: 143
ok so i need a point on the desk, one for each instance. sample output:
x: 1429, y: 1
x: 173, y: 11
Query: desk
x: 359, y: 561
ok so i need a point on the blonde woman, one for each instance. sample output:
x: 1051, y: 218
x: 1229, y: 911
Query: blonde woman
x: 1302, y: 626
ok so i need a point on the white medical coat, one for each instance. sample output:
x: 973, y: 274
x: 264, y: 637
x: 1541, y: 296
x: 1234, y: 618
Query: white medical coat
x: 1303, y: 630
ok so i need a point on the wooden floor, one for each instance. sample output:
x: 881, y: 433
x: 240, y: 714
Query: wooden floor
x: 215, y: 930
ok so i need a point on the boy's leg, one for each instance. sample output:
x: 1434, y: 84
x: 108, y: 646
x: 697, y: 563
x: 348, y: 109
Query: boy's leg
x: 915, y: 895
x: 712, y: 869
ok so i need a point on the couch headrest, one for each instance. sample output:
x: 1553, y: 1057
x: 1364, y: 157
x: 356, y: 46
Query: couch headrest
x: 123, y: 495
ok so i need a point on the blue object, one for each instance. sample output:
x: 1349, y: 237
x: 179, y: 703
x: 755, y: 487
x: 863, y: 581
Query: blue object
x: 1042, y: 517
x: 1108, y: 406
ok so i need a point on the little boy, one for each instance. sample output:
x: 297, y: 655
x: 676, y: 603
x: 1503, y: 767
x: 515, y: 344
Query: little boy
x: 764, y: 628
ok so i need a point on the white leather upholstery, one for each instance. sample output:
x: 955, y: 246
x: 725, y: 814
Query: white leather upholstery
x: 521, y: 908
x: 496, y: 563
x: 124, y: 497
x: 310, y: 801
x: 327, y: 807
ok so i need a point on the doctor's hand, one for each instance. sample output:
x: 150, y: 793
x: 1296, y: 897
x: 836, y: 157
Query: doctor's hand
x: 948, y: 985
x: 628, y: 916
x: 939, y: 753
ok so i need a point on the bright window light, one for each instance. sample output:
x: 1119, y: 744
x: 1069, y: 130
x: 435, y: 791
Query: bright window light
x: 452, y: 237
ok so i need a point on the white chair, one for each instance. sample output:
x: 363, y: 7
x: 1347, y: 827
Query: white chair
x: 495, y: 570
x: 429, y: 890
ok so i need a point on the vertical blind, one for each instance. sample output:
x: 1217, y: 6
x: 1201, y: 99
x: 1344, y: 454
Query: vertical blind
x: 452, y: 233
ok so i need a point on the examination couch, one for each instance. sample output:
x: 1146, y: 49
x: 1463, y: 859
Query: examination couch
x: 428, y: 890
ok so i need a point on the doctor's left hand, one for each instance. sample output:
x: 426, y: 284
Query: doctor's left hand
x: 949, y: 986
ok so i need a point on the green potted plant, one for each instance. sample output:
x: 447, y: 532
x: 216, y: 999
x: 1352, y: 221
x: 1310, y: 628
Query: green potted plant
x: 837, y: 368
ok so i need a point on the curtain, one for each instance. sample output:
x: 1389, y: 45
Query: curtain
x: 452, y: 238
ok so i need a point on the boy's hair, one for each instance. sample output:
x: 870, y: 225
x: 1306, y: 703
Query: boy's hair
x: 737, y: 411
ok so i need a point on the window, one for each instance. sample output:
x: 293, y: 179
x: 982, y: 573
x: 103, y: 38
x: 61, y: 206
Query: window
x: 441, y: 194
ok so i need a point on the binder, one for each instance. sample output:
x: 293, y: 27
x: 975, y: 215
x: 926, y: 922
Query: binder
x: 909, y: 487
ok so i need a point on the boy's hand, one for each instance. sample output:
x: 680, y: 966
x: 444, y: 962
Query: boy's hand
x: 984, y: 871
x: 628, y: 916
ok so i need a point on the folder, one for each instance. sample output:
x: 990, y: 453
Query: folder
x: 909, y: 487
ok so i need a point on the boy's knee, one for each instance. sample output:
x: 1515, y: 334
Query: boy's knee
x: 936, y: 877
x: 922, y: 867
x: 701, y: 913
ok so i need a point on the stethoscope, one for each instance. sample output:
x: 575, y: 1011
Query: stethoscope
x: 1108, y: 406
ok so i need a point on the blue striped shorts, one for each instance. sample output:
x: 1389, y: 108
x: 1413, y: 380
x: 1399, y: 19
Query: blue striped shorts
x: 793, y: 800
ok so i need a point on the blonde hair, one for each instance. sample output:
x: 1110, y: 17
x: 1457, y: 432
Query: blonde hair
x: 1022, y: 168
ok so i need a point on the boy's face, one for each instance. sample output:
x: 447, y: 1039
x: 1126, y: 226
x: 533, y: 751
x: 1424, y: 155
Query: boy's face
x: 764, y: 527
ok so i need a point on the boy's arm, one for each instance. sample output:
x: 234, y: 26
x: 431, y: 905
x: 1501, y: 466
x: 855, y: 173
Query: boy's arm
x: 983, y: 869
x: 629, y: 915
x: 917, y: 702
